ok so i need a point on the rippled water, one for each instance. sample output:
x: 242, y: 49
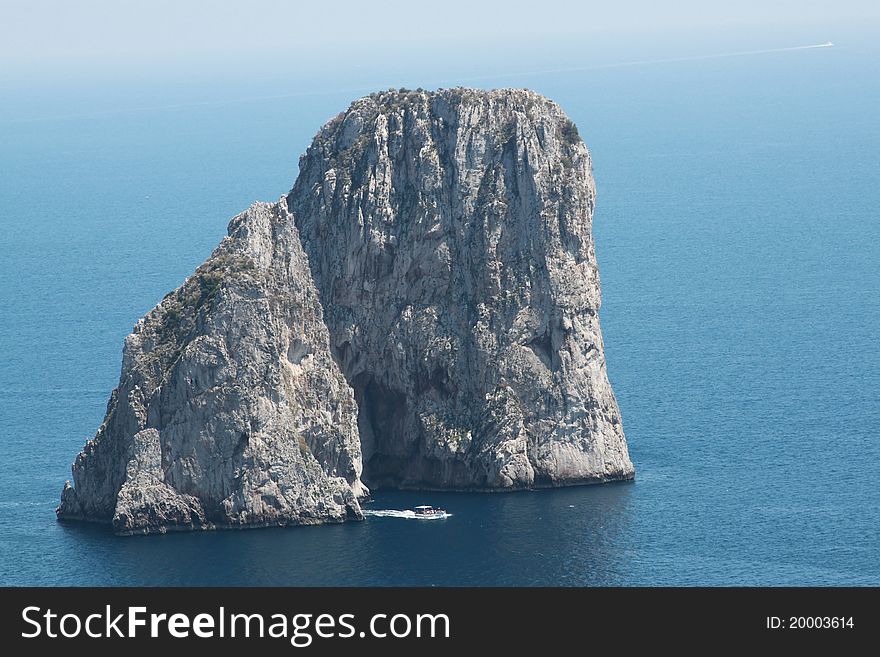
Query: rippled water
x: 739, y: 245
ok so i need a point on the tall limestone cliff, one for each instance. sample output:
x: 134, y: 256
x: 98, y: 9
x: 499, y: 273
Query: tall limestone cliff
x: 421, y: 311
x: 449, y: 236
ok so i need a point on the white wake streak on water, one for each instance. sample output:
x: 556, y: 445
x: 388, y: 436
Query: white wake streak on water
x: 406, y: 515
x: 646, y: 62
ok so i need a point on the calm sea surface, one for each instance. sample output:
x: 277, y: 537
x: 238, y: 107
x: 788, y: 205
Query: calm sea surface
x: 738, y: 238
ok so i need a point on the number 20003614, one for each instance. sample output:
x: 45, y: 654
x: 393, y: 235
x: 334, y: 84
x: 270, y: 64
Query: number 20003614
x: 810, y: 623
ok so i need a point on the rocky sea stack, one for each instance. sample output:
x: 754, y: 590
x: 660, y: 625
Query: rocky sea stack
x: 420, y: 311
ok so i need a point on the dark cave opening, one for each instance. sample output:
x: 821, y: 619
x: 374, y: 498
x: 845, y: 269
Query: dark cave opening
x: 382, y: 424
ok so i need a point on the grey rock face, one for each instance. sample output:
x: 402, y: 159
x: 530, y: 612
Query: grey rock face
x: 424, y: 302
x: 230, y: 410
x: 449, y: 236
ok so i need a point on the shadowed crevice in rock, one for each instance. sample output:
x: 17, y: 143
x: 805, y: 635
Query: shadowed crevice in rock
x: 382, y: 415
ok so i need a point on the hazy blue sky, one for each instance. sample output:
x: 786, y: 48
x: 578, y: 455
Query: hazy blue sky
x: 39, y: 35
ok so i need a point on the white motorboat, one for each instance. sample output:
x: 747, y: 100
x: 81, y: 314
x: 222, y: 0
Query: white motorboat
x: 429, y: 512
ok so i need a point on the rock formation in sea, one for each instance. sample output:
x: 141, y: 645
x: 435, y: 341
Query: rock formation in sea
x: 230, y: 409
x: 420, y: 311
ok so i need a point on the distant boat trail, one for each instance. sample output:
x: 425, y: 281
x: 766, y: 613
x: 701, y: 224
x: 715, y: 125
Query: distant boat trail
x: 666, y: 60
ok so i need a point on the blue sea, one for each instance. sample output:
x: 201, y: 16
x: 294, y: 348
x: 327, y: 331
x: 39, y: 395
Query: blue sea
x: 738, y: 239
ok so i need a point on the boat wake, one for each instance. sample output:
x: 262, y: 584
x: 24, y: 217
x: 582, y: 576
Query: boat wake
x: 404, y: 515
